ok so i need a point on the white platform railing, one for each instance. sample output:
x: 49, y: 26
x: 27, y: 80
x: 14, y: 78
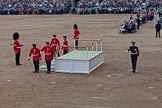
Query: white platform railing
x: 92, y: 43
x: 98, y: 43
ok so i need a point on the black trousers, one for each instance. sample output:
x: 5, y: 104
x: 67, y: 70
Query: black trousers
x: 36, y: 65
x: 76, y: 44
x: 138, y: 26
x: 151, y: 18
x: 48, y: 64
x: 157, y: 32
x: 134, y: 62
x: 65, y: 52
x: 17, y: 58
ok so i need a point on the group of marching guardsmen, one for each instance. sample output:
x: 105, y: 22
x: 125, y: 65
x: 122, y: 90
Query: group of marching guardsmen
x: 50, y: 50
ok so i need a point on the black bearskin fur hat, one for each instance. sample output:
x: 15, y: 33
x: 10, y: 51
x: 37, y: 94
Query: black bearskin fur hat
x: 75, y: 26
x: 15, y: 36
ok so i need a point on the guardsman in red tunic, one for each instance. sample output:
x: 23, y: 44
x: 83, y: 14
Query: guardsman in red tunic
x: 65, y: 45
x: 35, y: 53
x: 76, y: 35
x: 17, y: 48
x: 48, y: 56
x: 55, y: 45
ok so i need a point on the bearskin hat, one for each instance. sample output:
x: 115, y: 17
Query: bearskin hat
x: 75, y: 26
x: 47, y: 43
x: 15, y: 36
x: 54, y: 35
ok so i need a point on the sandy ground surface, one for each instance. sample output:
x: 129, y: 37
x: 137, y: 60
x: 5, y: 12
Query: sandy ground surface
x: 21, y: 88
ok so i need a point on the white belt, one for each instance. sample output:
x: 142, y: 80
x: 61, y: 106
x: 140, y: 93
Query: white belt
x: 47, y: 53
x: 54, y: 45
x: 18, y: 47
x: 36, y: 55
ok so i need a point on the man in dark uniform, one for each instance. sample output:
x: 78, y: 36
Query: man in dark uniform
x: 134, y: 53
x: 138, y: 22
x: 158, y: 27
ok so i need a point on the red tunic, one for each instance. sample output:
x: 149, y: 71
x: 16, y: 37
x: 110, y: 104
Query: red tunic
x: 76, y: 34
x: 17, y: 46
x: 65, y: 45
x: 152, y: 13
x: 48, y: 52
x: 147, y: 14
x: 139, y: 14
x: 35, y: 52
x: 54, y: 43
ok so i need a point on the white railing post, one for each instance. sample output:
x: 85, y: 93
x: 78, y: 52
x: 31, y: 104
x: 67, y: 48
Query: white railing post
x: 96, y: 46
x: 56, y: 52
x: 101, y: 45
x: 92, y: 47
x: 74, y: 44
x: 87, y: 51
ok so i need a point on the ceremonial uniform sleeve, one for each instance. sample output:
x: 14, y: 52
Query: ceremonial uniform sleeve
x: 43, y: 49
x: 14, y: 46
x: 30, y: 53
x: 58, y: 42
x: 78, y: 32
x: 75, y: 34
x: 129, y: 48
x: 51, y: 50
x: 160, y: 26
x: 66, y: 43
x: 39, y: 52
x: 51, y: 42
x: 137, y: 51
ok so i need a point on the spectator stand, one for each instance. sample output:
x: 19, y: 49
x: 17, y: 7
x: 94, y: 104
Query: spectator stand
x: 114, y: 6
x: 21, y: 7
x: 104, y: 7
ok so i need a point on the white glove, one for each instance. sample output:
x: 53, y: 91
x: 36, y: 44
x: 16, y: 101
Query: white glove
x: 22, y: 44
x: 28, y: 58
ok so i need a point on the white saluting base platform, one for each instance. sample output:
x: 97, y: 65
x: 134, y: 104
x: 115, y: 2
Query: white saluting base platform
x: 76, y: 62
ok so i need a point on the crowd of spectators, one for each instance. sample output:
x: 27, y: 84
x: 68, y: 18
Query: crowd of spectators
x: 100, y: 7
x: 113, y: 6
x: 22, y: 7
